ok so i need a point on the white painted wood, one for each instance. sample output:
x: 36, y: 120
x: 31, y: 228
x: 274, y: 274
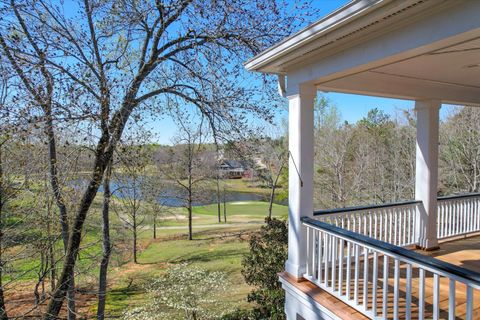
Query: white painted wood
x: 300, y: 186
x: 326, y: 255
x: 458, y: 216
x: 362, y: 256
x: 451, y: 300
x: 341, y: 252
x: 320, y: 256
x: 349, y: 268
x: 385, y: 287
x: 365, y: 278
x: 395, y: 225
x: 436, y: 296
x: 469, y: 315
x: 426, y: 171
x: 309, y: 252
x: 334, y: 262
x: 356, y: 278
x: 375, y: 272
x: 396, y: 288
x: 421, y: 294
x: 408, y: 293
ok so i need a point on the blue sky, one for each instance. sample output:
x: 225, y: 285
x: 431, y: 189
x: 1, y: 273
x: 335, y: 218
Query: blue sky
x: 352, y: 107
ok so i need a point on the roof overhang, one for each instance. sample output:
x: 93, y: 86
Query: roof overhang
x: 411, y: 49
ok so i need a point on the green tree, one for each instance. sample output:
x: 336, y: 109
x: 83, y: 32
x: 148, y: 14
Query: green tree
x: 266, y: 258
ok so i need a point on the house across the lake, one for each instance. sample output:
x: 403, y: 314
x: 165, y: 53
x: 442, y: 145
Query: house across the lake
x: 232, y: 169
x: 382, y: 261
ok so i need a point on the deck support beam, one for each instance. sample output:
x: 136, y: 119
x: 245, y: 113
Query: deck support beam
x: 426, y: 173
x: 300, y: 187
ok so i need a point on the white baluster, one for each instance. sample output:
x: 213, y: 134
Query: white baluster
x: 469, y: 303
x: 396, y: 288
x: 365, y: 278
x: 365, y: 224
x: 349, y: 268
x: 321, y: 254
x: 421, y: 294
x: 451, y: 300
x: 436, y: 296
x: 309, y: 251
x: 340, y: 266
x: 356, y: 280
x: 390, y: 225
x: 374, y: 283
x: 385, y: 287
x: 408, y: 293
x: 316, y: 256
x: 409, y: 229
x: 440, y: 222
x: 326, y: 255
x: 334, y: 261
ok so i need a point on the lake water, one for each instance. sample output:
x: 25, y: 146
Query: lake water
x: 173, y: 195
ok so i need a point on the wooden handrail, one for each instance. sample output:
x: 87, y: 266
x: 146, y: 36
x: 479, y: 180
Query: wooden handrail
x: 390, y: 204
x: 426, y: 262
x: 368, y: 207
x: 459, y: 196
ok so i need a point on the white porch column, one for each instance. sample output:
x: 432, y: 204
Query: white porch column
x: 300, y: 188
x: 426, y: 174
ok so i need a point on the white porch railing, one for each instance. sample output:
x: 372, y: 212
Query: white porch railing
x: 393, y: 223
x: 384, y: 281
x: 458, y: 215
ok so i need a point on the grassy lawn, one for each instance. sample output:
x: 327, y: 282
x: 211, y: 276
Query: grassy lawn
x: 216, y: 247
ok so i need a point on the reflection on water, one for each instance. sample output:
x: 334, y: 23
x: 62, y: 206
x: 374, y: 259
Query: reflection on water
x: 173, y: 195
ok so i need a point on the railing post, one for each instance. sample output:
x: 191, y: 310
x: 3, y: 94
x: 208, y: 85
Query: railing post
x: 426, y: 174
x: 300, y: 187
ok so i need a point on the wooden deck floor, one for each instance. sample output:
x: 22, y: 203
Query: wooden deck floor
x: 462, y: 252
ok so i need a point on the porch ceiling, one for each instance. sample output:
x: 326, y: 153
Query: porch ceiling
x: 450, y: 74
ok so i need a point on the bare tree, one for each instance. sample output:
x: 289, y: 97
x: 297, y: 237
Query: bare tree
x: 82, y: 66
x: 273, y: 158
x: 460, y: 150
x: 155, y: 192
x: 130, y: 176
x: 187, y: 165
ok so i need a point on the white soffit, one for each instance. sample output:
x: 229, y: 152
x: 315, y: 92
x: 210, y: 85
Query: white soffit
x: 450, y: 74
x: 458, y: 65
x: 357, y: 20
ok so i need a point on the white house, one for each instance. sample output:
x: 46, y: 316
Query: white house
x: 357, y: 263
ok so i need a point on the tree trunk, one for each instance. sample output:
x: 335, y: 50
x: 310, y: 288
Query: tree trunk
x: 270, y: 203
x: 3, y: 311
x: 218, y: 199
x: 224, y: 206
x: 154, y: 227
x: 52, y: 148
x: 72, y: 314
x: 190, y: 229
x: 58, y: 295
x: 106, y: 245
x: 134, y: 228
x: 274, y: 188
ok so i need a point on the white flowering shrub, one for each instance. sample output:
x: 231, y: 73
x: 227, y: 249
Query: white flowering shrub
x: 184, y: 292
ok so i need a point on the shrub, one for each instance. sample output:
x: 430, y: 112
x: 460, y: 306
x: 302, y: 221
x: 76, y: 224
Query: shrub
x: 266, y: 258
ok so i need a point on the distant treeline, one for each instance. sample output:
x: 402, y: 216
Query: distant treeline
x: 373, y: 160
